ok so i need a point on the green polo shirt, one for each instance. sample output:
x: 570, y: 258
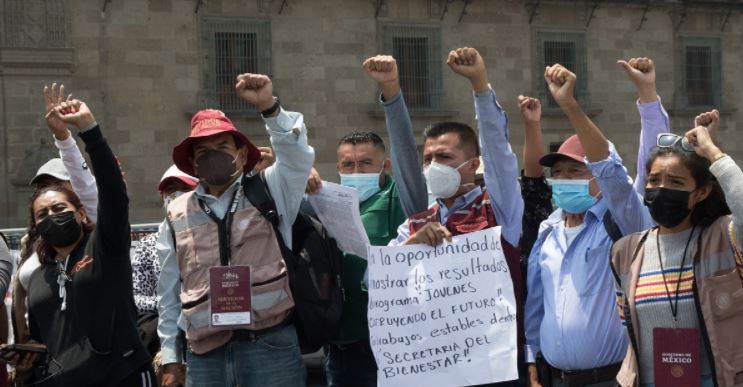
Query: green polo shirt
x: 381, y: 214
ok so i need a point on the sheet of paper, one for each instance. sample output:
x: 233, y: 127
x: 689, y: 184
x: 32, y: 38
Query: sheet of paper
x: 443, y: 316
x: 337, y: 207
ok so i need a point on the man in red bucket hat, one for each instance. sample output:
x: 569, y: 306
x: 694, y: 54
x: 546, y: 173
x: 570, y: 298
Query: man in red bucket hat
x: 223, y: 278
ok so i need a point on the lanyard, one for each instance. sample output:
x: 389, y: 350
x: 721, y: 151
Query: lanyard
x: 675, y: 303
x: 224, y: 226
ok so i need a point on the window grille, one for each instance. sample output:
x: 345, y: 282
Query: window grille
x: 417, y: 49
x: 232, y: 47
x: 56, y: 24
x: 700, y: 82
x: 33, y: 24
x: 567, y: 49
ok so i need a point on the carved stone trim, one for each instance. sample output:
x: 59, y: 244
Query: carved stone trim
x: 264, y: 6
x: 36, y: 61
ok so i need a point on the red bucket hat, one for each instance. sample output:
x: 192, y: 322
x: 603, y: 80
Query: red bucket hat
x: 206, y: 123
x: 571, y: 148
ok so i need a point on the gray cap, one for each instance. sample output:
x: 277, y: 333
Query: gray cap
x: 54, y: 168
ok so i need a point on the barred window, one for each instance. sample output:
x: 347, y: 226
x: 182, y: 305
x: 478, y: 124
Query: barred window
x: 36, y: 24
x: 701, y: 82
x: 233, y: 46
x: 417, y: 49
x: 567, y: 49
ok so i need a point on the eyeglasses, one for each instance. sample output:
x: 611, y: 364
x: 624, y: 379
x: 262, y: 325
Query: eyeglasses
x: 667, y: 140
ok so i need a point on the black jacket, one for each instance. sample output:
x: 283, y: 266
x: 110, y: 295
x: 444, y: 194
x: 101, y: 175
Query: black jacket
x: 94, y: 342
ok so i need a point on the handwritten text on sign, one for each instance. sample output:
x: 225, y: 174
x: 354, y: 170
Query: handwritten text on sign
x: 443, y: 315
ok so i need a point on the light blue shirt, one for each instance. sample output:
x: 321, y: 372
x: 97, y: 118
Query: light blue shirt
x: 286, y: 180
x: 501, y: 173
x: 570, y: 313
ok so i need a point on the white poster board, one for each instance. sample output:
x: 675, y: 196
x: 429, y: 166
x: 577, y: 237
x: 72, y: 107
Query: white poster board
x: 443, y: 316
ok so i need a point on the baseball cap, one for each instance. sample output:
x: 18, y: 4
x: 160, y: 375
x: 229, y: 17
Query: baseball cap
x: 54, y: 168
x: 571, y: 148
x: 175, y: 174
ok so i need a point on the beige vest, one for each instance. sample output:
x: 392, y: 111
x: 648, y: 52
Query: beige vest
x: 253, y: 242
x: 720, y: 294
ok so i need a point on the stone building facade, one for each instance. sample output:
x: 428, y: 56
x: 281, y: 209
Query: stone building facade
x: 145, y: 66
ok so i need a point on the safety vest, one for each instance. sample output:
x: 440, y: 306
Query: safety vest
x: 252, y: 242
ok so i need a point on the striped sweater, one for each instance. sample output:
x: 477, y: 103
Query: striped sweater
x: 652, y: 296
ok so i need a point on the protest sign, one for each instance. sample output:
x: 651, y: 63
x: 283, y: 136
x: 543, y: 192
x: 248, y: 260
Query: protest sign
x: 445, y: 315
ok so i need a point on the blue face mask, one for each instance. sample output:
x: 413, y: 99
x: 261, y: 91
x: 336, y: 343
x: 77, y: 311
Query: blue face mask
x: 366, y: 184
x: 572, y: 195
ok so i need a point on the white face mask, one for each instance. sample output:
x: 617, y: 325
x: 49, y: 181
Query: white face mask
x: 442, y: 180
x: 169, y: 199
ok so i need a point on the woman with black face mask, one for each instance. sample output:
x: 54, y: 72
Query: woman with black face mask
x: 81, y: 307
x: 679, y: 284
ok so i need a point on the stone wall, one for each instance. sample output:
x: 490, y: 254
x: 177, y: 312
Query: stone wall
x: 139, y: 65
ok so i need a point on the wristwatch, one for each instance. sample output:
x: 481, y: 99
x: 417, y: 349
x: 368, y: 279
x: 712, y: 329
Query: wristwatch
x: 276, y: 105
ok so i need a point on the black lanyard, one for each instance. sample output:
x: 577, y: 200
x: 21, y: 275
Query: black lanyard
x: 674, y: 303
x: 224, y: 226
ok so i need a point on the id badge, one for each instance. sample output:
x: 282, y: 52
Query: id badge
x: 229, y: 304
x: 676, y: 359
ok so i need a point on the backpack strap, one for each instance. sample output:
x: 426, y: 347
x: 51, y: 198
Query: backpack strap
x: 256, y: 191
x: 612, y: 229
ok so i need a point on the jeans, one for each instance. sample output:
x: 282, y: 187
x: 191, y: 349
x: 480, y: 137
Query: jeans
x: 350, y: 365
x: 271, y: 360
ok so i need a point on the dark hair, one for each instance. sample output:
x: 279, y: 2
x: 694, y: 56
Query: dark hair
x: 42, y: 248
x: 467, y: 136
x: 712, y: 207
x: 363, y: 137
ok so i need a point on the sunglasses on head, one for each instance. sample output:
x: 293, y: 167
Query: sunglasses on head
x: 667, y: 140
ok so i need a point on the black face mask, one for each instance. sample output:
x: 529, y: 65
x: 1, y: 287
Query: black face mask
x: 668, y: 207
x: 60, y: 230
x: 216, y: 168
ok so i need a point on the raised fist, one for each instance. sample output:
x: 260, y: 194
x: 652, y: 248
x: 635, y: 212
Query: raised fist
x: 467, y: 62
x: 531, y: 108
x: 381, y: 68
x: 561, y: 83
x: 74, y: 112
x: 710, y: 120
x: 704, y: 146
x: 255, y: 89
x: 641, y: 72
